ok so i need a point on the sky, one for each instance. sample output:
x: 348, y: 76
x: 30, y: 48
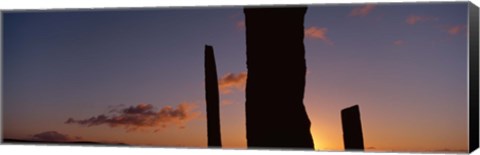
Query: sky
x: 136, y: 76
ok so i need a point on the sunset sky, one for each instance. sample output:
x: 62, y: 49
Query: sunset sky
x: 136, y: 76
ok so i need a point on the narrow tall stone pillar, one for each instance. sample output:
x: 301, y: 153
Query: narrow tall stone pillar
x: 352, y: 129
x: 212, y: 99
x: 275, y: 114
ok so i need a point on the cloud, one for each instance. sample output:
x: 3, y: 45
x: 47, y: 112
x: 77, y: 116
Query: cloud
x: 142, y: 116
x: 457, y: 29
x: 398, y: 42
x: 362, y: 10
x: 54, y: 136
x: 226, y: 102
x: 239, y: 20
x: 414, y: 19
x: 231, y: 81
x: 318, y: 33
x: 240, y: 24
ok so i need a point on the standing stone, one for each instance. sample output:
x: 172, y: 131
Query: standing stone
x: 212, y: 99
x: 352, y: 129
x: 275, y: 114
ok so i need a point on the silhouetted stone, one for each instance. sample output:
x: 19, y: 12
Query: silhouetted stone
x: 352, y: 129
x: 275, y: 114
x: 212, y: 99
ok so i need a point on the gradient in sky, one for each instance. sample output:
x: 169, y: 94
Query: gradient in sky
x: 136, y: 76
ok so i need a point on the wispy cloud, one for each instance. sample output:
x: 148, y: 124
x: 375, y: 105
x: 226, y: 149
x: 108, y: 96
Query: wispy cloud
x: 456, y: 29
x: 362, y: 10
x: 54, y: 136
x: 318, y: 33
x: 414, y: 19
x: 226, y: 102
x: 398, y: 42
x: 240, y: 24
x: 142, y: 116
x: 231, y: 81
x: 238, y: 19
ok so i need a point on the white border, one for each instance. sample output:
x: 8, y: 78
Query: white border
x: 69, y: 4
